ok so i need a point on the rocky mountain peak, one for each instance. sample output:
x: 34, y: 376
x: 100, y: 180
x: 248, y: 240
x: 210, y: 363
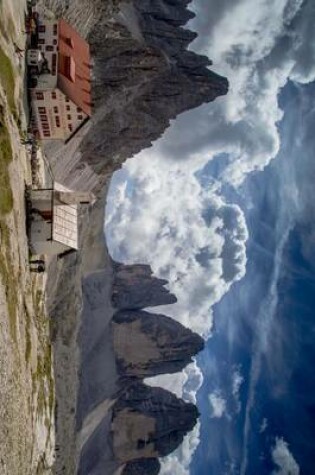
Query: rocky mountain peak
x: 166, y: 345
x: 135, y: 287
x: 149, y: 422
x: 143, y: 77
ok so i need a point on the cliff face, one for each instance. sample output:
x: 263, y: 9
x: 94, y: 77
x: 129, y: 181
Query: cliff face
x: 166, y: 345
x: 149, y: 422
x: 135, y: 287
x: 143, y: 76
x: 149, y: 466
x: 162, y: 78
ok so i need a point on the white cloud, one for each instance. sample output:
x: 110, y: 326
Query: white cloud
x: 157, y: 208
x: 217, y: 405
x: 258, y: 46
x: 283, y: 458
x: 237, y: 381
x: 263, y: 426
x: 189, y: 235
x: 184, y: 385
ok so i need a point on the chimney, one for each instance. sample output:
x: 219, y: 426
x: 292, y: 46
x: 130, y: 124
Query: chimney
x: 74, y: 197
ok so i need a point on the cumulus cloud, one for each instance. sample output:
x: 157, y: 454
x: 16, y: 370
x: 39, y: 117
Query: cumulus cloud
x: 189, y: 235
x: 217, y: 405
x: 283, y: 459
x: 259, y: 47
x: 159, y: 213
x: 184, y: 385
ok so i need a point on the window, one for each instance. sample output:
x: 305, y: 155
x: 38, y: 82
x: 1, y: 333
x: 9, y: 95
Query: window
x: 80, y: 117
x: 66, y: 67
x: 41, y: 41
x: 55, y: 29
x: 41, y: 28
x: 57, y: 118
x: 78, y: 109
x: 42, y: 110
x: 46, y: 133
x: 70, y: 127
x: 69, y: 42
x: 54, y: 64
x: 56, y: 110
x: 67, y: 99
x: 49, y: 48
x: 40, y: 96
x: 69, y: 117
x: 54, y: 95
x: 55, y: 42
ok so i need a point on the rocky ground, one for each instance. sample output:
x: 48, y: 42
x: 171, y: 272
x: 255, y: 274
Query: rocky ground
x: 26, y: 378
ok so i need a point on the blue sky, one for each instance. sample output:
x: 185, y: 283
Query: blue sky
x: 284, y: 392
x: 222, y: 206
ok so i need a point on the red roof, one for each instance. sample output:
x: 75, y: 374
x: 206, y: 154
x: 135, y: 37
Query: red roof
x: 74, y: 70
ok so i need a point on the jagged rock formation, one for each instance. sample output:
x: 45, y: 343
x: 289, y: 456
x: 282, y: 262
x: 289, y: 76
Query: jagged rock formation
x: 149, y: 466
x: 135, y: 287
x: 162, y: 78
x: 143, y: 76
x: 149, y: 422
x: 146, y: 344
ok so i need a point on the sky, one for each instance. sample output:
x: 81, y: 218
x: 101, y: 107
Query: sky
x: 222, y: 207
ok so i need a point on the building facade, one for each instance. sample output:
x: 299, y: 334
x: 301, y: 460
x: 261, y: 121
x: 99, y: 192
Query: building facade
x: 61, y: 93
x: 54, y: 219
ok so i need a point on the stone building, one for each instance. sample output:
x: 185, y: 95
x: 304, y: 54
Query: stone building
x: 60, y: 70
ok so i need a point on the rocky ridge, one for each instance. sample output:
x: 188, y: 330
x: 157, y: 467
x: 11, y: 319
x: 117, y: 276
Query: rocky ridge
x: 137, y: 420
x: 143, y: 76
x: 119, y: 348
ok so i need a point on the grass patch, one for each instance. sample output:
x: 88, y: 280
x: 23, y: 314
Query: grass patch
x: 8, y: 278
x: 6, y: 196
x: 8, y: 81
